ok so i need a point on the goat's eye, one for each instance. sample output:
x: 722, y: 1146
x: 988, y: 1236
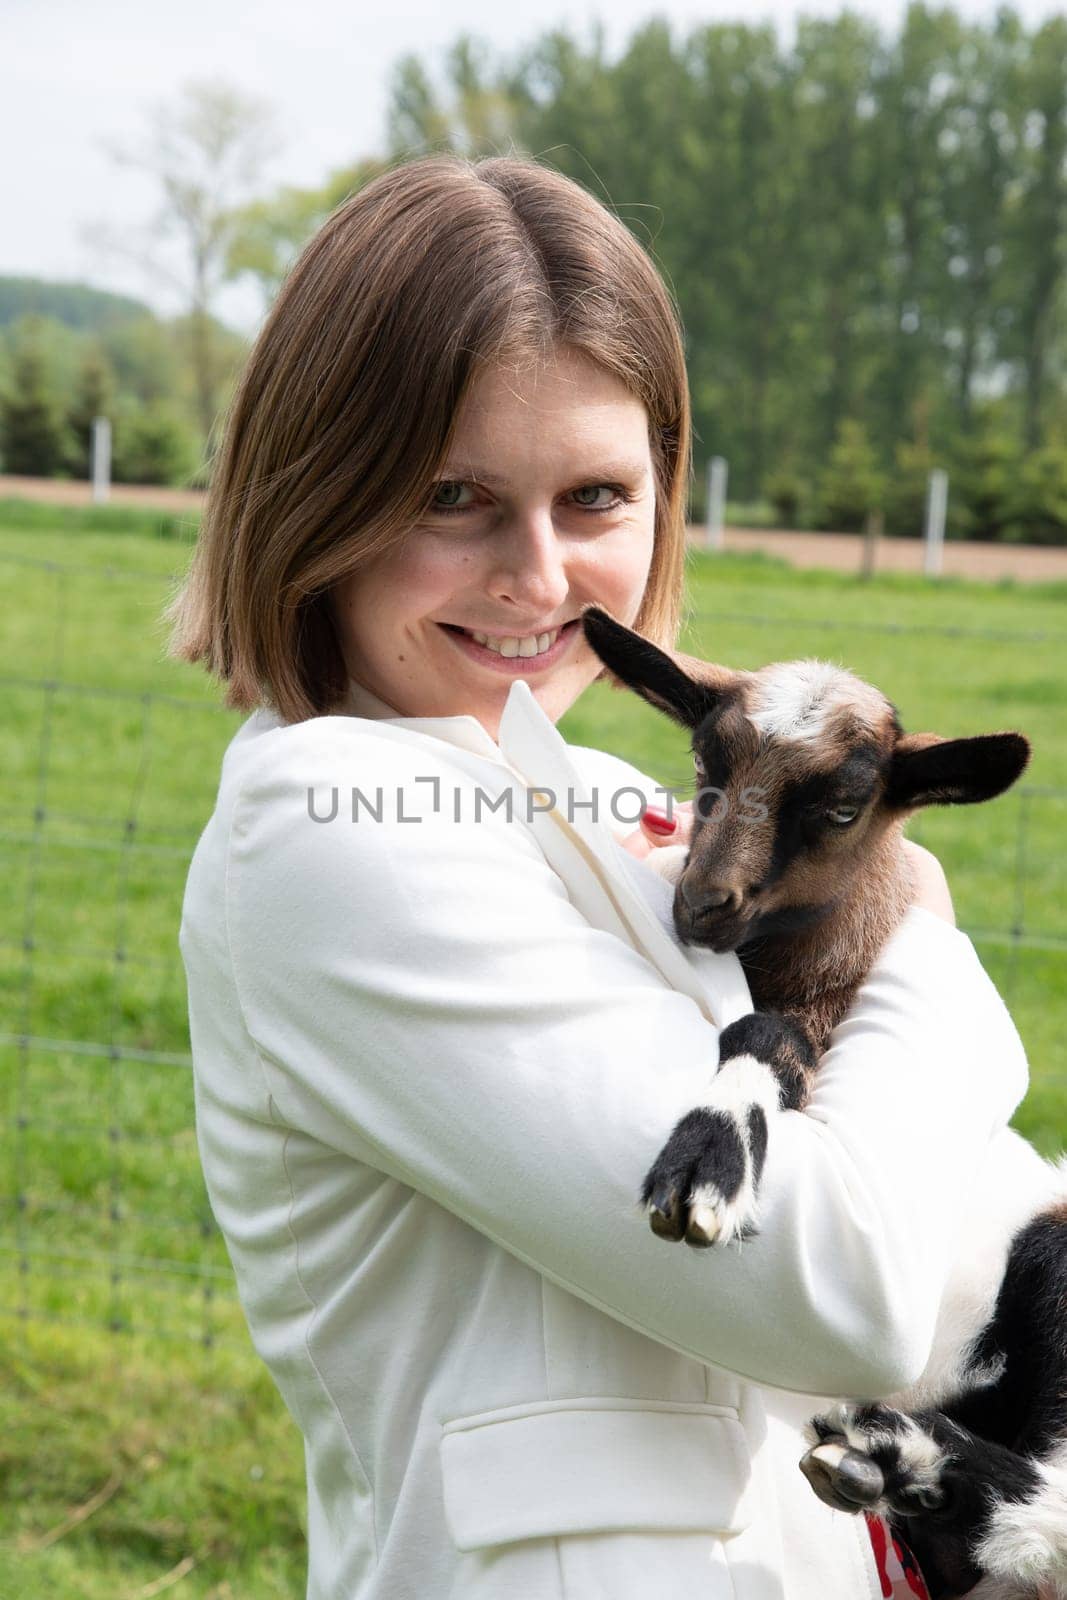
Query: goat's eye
x: 841, y: 816
x: 701, y: 773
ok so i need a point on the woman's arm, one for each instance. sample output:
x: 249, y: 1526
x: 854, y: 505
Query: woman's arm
x: 425, y: 997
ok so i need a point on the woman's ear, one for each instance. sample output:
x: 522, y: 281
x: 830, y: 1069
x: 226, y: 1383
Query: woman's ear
x: 686, y: 689
x: 927, y: 770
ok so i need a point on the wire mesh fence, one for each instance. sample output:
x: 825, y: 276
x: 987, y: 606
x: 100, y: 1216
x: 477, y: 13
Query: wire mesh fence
x: 104, y: 1221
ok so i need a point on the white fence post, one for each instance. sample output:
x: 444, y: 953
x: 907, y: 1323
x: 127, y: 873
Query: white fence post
x: 717, y: 475
x: 934, y: 536
x: 101, y: 459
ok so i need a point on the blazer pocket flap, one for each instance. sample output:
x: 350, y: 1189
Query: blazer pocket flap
x: 571, y: 1467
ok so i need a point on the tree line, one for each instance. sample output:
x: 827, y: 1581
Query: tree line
x: 70, y: 353
x: 866, y: 234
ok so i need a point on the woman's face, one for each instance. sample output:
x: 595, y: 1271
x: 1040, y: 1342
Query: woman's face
x: 545, y: 503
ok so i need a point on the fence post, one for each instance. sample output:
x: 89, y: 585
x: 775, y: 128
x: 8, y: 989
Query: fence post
x: 101, y: 459
x: 873, y: 529
x: 717, y: 475
x: 934, y: 537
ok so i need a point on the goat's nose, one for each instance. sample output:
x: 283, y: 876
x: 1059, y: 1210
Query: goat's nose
x: 703, y: 899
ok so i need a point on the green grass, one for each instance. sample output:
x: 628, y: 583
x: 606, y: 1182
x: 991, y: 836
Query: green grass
x: 140, y: 521
x: 173, y: 1415
x: 201, y: 1461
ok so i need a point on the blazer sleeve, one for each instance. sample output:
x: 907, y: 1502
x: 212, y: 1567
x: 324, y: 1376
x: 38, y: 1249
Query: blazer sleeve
x: 423, y: 996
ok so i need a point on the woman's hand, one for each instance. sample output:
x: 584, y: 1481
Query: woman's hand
x: 930, y: 883
x: 657, y: 829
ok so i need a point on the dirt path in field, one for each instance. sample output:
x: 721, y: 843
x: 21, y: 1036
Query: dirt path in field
x: 843, y: 552
x: 73, y: 492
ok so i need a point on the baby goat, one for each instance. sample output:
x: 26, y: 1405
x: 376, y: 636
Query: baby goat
x: 798, y: 866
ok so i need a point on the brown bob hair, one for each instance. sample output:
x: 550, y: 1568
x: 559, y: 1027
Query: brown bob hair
x: 347, y: 403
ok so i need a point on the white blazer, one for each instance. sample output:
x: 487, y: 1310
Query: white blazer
x: 434, y: 1057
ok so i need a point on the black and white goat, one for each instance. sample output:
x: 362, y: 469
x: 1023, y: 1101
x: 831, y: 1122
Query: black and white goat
x: 799, y: 866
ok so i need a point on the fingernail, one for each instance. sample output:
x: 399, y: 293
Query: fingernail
x: 658, y: 822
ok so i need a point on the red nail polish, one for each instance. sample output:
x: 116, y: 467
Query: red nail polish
x: 659, y: 822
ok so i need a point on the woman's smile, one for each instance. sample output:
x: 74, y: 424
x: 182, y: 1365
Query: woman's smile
x: 516, y: 655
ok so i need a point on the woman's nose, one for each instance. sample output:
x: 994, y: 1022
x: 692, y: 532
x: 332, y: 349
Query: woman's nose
x: 530, y: 566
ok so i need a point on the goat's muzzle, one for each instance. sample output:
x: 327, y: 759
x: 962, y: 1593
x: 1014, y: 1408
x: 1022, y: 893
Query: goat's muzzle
x: 709, y: 913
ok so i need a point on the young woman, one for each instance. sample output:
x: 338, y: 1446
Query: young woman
x: 440, y: 1026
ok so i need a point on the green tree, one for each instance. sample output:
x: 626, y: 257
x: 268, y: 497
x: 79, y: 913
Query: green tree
x: 788, y: 492
x: 268, y: 234
x: 686, y: 140
x: 840, y: 244
x: 851, y: 485
x: 93, y: 397
x: 152, y: 444
x: 917, y: 88
x: 1037, y: 234
x: 732, y: 242
x: 145, y: 357
x: 207, y: 151
x: 987, y: 466
x: 1035, y: 501
x: 473, y: 114
x: 31, y: 430
x: 907, y: 487
x: 976, y: 167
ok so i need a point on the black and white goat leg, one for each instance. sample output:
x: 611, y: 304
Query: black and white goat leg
x: 970, y: 1509
x: 974, y: 1456
x: 703, y: 1186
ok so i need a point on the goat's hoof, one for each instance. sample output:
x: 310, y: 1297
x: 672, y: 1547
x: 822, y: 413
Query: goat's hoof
x: 667, y: 1216
x: 708, y: 1219
x: 843, y: 1478
x: 868, y: 1454
x: 702, y: 1187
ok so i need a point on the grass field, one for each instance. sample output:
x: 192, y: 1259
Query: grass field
x: 156, y: 1457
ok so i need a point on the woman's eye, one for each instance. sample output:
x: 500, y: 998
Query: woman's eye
x: 446, y: 496
x: 843, y: 815
x: 595, y: 489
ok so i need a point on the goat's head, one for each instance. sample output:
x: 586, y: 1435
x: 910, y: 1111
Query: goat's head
x: 803, y: 775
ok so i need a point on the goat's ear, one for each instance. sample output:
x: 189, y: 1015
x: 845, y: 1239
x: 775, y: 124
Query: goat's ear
x: 929, y: 771
x: 686, y: 689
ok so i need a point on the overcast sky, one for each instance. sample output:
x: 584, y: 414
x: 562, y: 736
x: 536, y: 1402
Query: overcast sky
x: 74, y: 73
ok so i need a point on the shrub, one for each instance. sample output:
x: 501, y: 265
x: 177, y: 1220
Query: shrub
x: 984, y: 477
x: 152, y: 445
x: 907, y: 488
x: 31, y: 429
x: 851, y: 484
x: 787, y: 492
x: 1035, y: 503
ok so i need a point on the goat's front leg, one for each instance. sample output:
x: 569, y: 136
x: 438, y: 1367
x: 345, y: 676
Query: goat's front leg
x: 704, y: 1185
x: 967, y: 1507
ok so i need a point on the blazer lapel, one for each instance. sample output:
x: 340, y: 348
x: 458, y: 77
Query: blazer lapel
x: 581, y: 848
x: 586, y: 855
